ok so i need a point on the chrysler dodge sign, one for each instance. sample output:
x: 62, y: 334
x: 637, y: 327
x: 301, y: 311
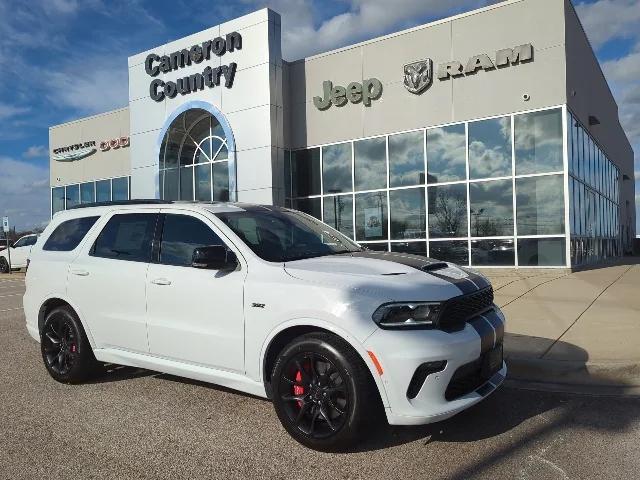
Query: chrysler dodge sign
x: 210, y: 76
x: 418, y: 75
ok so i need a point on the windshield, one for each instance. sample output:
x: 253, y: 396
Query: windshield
x: 286, y: 235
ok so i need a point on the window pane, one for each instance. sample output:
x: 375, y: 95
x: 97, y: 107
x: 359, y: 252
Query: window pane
x: 407, y: 211
x: 57, y: 199
x: 336, y: 168
x: 415, y: 248
x: 371, y: 216
x: 87, y: 192
x: 69, y: 234
x: 491, y: 208
x: 538, y: 140
x: 305, y: 172
x: 103, y: 191
x: 181, y: 235
x: 170, y: 185
x: 221, y: 182
x: 492, y: 253
x: 454, y: 251
x: 540, y: 205
x: 338, y: 212
x: 534, y: 252
x: 377, y: 247
x: 186, y: 183
x: 120, y: 188
x: 446, y: 154
x: 448, y: 211
x: 127, y: 237
x: 308, y: 205
x: 73, y: 195
x: 203, y: 182
x: 406, y: 159
x: 370, y: 164
x: 490, y: 148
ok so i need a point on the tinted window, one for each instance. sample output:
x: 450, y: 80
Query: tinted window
x: 28, y: 241
x: 448, y: 211
x: 305, y: 172
x: 371, y: 216
x: 338, y: 212
x: 120, y: 188
x: 336, y: 168
x: 103, y: 190
x: 181, y: 234
x: 57, y: 199
x: 406, y: 159
x: 446, y: 154
x: 72, y: 195
x: 87, y: 192
x: 490, y: 148
x: 538, y: 141
x: 491, y: 208
x: 540, y: 205
x: 127, y: 237
x: 69, y: 234
x: 407, y: 213
x: 370, y: 164
x: 455, y: 251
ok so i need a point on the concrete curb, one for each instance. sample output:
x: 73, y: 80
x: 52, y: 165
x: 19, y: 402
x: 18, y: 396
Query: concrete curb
x: 607, y: 378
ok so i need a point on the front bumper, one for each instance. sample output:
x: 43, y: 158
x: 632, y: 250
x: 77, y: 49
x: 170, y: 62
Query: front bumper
x: 400, y: 353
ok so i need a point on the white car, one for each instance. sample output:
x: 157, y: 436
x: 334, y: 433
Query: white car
x: 268, y: 301
x: 20, y: 251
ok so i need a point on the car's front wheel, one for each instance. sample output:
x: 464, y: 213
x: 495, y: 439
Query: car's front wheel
x: 4, y: 265
x: 66, y: 351
x: 323, y: 392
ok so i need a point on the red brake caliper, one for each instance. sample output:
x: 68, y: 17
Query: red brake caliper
x: 298, y: 390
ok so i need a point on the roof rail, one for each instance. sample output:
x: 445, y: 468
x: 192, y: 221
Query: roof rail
x: 141, y: 201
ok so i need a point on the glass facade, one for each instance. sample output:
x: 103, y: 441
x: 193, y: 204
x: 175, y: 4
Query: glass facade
x: 90, y: 192
x: 493, y: 193
x: 194, y: 159
x: 594, y: 189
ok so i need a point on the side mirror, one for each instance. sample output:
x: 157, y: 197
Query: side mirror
x: 214, y: 257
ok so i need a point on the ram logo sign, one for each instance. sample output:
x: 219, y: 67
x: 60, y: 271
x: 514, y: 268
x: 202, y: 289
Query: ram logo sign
x: 418, y: 75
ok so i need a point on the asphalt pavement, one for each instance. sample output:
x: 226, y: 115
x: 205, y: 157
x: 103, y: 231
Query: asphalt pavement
x: 137, y: 424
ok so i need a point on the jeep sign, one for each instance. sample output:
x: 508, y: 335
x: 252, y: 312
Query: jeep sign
x: 355, y: 92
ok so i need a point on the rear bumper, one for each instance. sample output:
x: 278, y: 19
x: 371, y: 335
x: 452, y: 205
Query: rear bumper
x: 400, y: 353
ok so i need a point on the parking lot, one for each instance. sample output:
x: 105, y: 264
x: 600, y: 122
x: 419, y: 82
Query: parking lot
x: 140, y: 424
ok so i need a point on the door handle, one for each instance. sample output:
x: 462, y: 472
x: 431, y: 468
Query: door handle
x: 161, y: 281
x: 80, y: 273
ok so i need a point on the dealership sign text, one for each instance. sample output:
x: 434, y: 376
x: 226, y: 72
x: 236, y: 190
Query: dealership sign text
x: 355, y: 92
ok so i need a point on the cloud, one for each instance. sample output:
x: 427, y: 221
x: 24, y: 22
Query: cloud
x: 607, y: 19
x: 10, y: 111
x: 25, y: 193
x: 36, y: 151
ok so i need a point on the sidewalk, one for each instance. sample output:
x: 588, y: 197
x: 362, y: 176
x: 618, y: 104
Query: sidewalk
x: 577, y: 331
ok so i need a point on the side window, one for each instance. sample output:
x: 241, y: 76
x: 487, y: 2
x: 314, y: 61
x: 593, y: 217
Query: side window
x: 69, y: 234
x: 127, y: 236
x: 30, y: 240
x: 181, y: 234
x: 20, y: 243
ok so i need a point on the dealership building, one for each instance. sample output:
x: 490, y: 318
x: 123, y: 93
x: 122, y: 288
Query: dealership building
x: 490, y: 138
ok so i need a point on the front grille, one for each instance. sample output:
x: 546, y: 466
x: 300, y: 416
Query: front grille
x: 458, y: 310
x: 466, y: 379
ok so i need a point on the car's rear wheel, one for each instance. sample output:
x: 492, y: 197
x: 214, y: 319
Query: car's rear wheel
x: 66, y: 351
x: 323, y: 392
x: 4, y: 265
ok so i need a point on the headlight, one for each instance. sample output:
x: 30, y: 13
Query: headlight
x: 407, y: 315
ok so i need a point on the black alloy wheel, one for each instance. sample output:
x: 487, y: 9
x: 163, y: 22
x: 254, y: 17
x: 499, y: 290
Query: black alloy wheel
x: 4, y: 265
x: 323, y: 392
x: 66, y: 351
x: 314, y: 395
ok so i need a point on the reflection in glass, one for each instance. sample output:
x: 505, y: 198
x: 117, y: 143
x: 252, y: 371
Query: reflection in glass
x: 491, y: 208
x: 220, y: 182
x: 377, y: 247
x: 540, y: 205
x: 120, y: 188
x: 103, y: 190
x: 170, y: 184
x: 406, y: 159
x: 308, y: 205
x: 336, y: 168
x: 490, y: 148
x: 370, y: 163
x: 305, y: 172
x: 73, y: 195
x: 338, y: 213
x: 407, y: 212
x: 492, y: 253
x: 538, y: 141
x: 87, y: 192
x: 186, y: 183
x: 446, y: 154
x: 203, y: 182
x: 371, y: 216
x: 448, y: 211
x: 57, y: 199
x: 539, y: 252
x: 454, y: 251
x: 415, y: 248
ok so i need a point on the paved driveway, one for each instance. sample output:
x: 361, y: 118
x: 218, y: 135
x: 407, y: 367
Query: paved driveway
x: 134, y: 424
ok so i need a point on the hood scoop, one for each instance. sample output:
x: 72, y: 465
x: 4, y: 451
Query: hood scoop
x: 432, y: 267
x: 394, y: 273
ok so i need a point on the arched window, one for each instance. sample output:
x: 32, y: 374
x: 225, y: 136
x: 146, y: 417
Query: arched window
x: 194, y: 158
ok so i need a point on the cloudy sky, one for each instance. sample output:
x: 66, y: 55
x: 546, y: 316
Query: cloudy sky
x: 64, y: 59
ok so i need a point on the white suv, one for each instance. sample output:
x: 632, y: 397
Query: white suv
x: 269, y: 301
x: 19, y: 252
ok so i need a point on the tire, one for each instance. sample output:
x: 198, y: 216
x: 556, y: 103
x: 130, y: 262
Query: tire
x: 4, y: 265
x: 66, y: 351
x: 323, y: 392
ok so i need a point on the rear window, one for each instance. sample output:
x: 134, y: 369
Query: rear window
x: 69, y: 234
x: 127, y: 237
